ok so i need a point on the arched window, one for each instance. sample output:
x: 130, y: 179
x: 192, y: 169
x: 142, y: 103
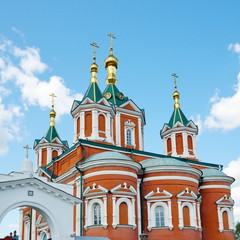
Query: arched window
x: 169, y: 146
x: 190, y: 144
x: 44, y: 236
x: 159, y: 216
x: 129, y: 136
x: 179, y: 144
x: 225, y: 220
x: 96, y: 214
x: 88, y: 124
x: 186, y: 217
x: 123, y: 214
x: 54, y: 153
x: 78, y: 126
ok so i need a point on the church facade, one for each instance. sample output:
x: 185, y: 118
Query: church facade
x: 126, y: 192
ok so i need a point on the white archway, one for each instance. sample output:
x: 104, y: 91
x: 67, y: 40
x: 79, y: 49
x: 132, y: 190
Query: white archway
x: 53, y: 201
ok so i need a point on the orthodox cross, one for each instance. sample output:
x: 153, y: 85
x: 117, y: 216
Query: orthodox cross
x: 94, y: 44
x: 111, y: 35
x: 27, y: 148
x: 53, y: 96
x: 175, y: 80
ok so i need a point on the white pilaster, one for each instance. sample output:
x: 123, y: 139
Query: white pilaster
x: 133, y: 213
x: 49, y: 155
x: 194, y: 145
x: 33, y: 233
x: 185, y: 144
x: 82, y: 125
x: 195, y: 214
x: 170, y: 214
x: 114, y: 223
x: 105, y: 224
x: 165, y: 145
x: 78, y: 209
x: 173, y: 139
x: 140, y: 137
x: 40, y: 156
x: 149, y: 216
x: 108, y: 128
x: 75, y: 130
x: 118, y: 130
x: 180, y: 216
x: 20, y: 224
x: 199, y: 216
x: 95, y: 124
x: 86, y: 215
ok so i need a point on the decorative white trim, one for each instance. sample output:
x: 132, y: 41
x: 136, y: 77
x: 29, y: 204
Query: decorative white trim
x: 229, y: 211
x: 114, y: 172
x: 170, y: 178
x: 118, y: 130
x: 214, y: 186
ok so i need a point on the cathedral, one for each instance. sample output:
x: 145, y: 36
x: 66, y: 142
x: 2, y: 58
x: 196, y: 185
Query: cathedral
x: 127, y: 192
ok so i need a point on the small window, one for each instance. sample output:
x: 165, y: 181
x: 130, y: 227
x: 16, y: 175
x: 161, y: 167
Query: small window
x: 159, y: 215
x: 129, y: 136
x: 96, y: 214
x: 44, y: 236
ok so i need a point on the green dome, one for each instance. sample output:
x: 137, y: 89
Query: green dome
x: 108, y: 156
x: 210, y: 172
x: 154, y: 162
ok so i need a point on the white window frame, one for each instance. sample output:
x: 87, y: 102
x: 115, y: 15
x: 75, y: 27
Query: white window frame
x: 223, y: 206
x: 153, y: 201
x: 129, y: 126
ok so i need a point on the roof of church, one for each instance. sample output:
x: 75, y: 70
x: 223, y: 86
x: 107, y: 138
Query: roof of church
x: 113, y: 95
x: 93, y: 92
x: 51, y: 134
x: 108, y: 156
x: 178, y: 116
x: 212, y: 172
x: 152, y: 162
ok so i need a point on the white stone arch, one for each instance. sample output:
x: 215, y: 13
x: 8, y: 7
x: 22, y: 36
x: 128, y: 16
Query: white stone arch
x: 89, y: 211
x: 191, y: 214
x: 166, y: 213
x: 45, y: 197
x: 130, y: 210
x: 230, y: 218
x: 40, y: 237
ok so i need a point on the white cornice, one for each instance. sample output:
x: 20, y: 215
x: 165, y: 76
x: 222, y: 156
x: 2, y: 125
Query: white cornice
x: 170, y: 178
x: 227, y: 179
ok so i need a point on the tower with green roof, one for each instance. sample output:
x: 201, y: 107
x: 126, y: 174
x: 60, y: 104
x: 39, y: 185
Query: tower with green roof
x: 50, y: 145
x: 179, y: 134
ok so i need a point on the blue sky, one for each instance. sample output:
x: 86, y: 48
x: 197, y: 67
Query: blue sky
x: 45, y: 47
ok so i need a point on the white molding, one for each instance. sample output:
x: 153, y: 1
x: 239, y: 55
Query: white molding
x: 170, y: 178
x: 214, y: 186
x: 114, y: 172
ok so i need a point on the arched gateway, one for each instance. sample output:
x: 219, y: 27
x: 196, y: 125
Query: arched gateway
x: 25, y: 188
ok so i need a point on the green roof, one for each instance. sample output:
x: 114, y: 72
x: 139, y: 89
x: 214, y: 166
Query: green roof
x: 109, y: 155
x: 93, y: 92
x: 51, y: 134
x: 115, y: 97
x: 209, y: 172
x: 177, y: 116
x: 155, y: 162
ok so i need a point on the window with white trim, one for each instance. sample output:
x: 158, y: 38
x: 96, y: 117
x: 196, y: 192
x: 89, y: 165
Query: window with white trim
x: 96, y: 214
x: 159, y: 216
x: 225, y: 213
x: 159, y: 209
x: 129, y: 130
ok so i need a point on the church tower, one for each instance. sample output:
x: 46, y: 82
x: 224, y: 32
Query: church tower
x: 179, y: 134
x: 93, y: 114
x: 129, y: 119
x: 50, y: 145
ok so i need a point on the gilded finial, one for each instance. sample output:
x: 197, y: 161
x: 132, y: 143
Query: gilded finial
x: 94, y: 66
x: 52, y: 112
x: 176, y: 94
x: 27, y: 148
x: 94, y: 44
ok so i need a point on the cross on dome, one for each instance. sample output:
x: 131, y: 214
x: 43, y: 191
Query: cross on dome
x: 27, y: 148
x: 94, y: 44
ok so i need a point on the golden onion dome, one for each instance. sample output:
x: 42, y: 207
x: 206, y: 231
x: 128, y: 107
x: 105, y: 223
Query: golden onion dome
x: 176, y: 97
x: 52, y: 113
x: 94, y: 67
x: 111, y: 60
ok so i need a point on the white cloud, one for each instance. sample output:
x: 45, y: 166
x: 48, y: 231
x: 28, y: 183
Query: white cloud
x: 20, y: 33
x: 234, y: 47
x: 21, y: 67
x: 232, y: 170
x: 225, y: 111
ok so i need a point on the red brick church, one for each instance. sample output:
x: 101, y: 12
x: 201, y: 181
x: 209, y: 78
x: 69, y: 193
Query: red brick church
x: 129, y: 193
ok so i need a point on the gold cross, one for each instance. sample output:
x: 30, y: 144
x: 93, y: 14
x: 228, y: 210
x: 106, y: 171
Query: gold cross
x: 53, y: 96
x: 94, y: 44
x: 27, y: 148
x: 111, y: 35
x: 175, y: 80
